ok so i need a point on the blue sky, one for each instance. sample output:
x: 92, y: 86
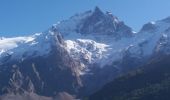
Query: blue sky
x: 20, y: 17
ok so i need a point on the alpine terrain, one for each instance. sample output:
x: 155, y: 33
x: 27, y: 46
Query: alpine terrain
x: 83, y: 56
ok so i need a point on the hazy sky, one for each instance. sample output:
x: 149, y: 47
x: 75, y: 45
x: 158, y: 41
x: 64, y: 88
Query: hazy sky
x: 18, y: 17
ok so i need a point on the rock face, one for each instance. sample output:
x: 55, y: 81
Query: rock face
x: 100, y: 23
x: 79, y: 55
x: 96, y: 23
x: 44, y: 75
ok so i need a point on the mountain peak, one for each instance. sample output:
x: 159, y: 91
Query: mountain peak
x: 149, y: 27
x: 94, y: 22
x: 98, y: 11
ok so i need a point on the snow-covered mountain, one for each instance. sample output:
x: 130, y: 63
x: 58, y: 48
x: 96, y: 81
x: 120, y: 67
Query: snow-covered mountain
x: 88, y: 50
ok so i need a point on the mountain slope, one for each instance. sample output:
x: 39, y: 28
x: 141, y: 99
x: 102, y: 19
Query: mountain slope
x: 75, y: 57
x: 150, y: 82
x: 45, y: 75
x: 78, y: 55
